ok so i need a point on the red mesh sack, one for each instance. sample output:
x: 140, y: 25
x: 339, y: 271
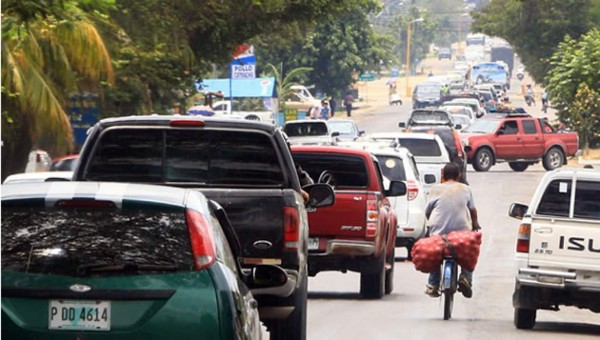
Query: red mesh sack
x: 466, y: 245
x: 427, y: 253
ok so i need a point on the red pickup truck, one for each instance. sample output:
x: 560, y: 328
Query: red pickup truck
x: 521, y: 140
x: 358, y: 232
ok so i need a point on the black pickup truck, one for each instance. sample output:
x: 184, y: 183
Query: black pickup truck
x: 246, y: 167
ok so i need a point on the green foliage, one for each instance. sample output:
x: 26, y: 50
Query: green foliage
x: 574, y: 83
x: 534, y: 28
x: 284, y: 82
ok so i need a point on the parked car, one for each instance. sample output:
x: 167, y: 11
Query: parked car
x: 346, y: 128
x: 428, y: 150
x: 357, y: 233
x: 246, y: 167
x: 557, y: 248
x: 310, y: 132
x: 39, y: 177
x: 123, y: 260
x: 520, y: 140
x: 65, y: 163
x: 398, y: 164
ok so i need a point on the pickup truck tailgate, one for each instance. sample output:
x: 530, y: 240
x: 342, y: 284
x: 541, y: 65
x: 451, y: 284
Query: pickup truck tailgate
x: 346, y: 218
x: 558, y: 243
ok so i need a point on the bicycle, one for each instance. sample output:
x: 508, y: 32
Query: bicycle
x: 449, y: 280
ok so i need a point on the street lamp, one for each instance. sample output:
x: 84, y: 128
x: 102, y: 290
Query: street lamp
x: 407, y: 67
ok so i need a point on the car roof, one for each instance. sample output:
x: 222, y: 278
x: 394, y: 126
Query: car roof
x: 110, y: 191
x: 329, y: 149
x: 37, y: 177
x: 412, y: 135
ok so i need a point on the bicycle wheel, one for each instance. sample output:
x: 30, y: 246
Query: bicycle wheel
x: 448, y: 303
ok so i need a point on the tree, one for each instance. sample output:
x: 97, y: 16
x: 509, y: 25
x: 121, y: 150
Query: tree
x: 573, y: 84
x: 48, y: 51
x: 284, y: 83
x: 535, y: 28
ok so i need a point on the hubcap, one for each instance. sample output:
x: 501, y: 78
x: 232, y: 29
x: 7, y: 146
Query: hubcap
x: 555, y: 159
x: 484, y: 160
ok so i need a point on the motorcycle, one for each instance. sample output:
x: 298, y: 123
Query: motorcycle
x: 520, y: 73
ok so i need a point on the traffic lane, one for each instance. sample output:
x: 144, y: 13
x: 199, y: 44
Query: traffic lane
x: 337, y: 312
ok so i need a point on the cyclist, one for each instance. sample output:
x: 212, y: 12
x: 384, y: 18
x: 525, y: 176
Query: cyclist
x: 451, y: 208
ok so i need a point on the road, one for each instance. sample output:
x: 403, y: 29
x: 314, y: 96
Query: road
x: 336, y: 310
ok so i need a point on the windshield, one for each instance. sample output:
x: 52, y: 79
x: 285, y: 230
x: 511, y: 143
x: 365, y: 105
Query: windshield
x: 305, y: 129
x: 344, y: 128
x: 392, y: 168
x: 87, y: 242
x: 482, y: 126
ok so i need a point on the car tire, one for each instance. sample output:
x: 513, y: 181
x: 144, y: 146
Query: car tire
x: 389, y: 273
x: 294, y: 326
x: 518, y: 166
x: 372, y: 285
x: 483, y: 160
x: 553, y: 159
x: 524, y: 318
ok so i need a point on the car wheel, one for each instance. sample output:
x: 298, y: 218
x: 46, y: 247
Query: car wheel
x: 518, y: 166
x: 553, y: 159
x: 524, y: 318
x: 389, y: 273
x: 483, y: 160
x: 372, y: 284
x: 294, y: 327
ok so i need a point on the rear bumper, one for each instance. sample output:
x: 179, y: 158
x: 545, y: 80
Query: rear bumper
x: 349, y: 248
x: 343, y: 255
x: 555, y: 279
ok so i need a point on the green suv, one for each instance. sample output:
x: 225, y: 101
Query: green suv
x: 100, y: 260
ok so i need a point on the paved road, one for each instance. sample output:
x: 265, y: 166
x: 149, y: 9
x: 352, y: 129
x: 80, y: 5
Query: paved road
x: 337, y: 312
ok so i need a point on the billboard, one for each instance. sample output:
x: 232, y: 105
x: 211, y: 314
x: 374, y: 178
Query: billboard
x: 243, y: 65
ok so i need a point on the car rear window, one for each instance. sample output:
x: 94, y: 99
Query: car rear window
x: 305, y: 129
x: 587, y: 200
x: 85, y: 242
x: 556, y: 199
x: 211, y: 157
x: 392, y: 168
x: 421, y: 147
x: 347, y: 170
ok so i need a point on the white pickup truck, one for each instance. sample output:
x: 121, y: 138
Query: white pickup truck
x: 223, y: 109
x: 558, y: 245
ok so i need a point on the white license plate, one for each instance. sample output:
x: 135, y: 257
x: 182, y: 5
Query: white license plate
x: 79, y: 315
x: 313, y: 243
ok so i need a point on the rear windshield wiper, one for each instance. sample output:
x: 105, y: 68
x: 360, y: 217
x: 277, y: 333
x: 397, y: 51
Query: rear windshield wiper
x: 129, y: 266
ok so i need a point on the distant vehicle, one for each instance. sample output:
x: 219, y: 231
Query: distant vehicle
x: 460, y: 109
x: 223, y: 109
x: 39, y: 160
x: 492, y: 73
x: 309, y: 132
x: 461, y: 121
x: 426, y: 117
x: 347, y: 128
x: 504, y: 54
x: 65, y: 163
x: 475, y: 39
x: 88, y: 260
x: 301, y: 99
x: 427, y: 94
x: 444, y: 53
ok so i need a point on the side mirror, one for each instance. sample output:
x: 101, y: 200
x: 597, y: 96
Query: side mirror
x: 361, y: 132
x: 320, y: 195
x: 430, y: 179
x: 397, y: 188
x: 402, y: 125
x: 335, y: 134
x: 468, y: 148
x: 517, y: 210
x: 266, y: 276
x: 458, y: 126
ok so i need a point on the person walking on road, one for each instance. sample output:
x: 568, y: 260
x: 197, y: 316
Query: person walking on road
x: 325, y: 111
x: 348, y: 100
x: 451, y: 208
x: 332, y: 106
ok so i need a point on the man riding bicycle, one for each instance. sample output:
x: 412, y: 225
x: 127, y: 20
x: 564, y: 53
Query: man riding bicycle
x: 451, y: 208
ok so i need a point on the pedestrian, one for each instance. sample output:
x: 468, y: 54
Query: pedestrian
x: 325, y: 111
x: 332, y: 106
x: 348, y: 100
x: 451, y: 208
x: 315, y: 112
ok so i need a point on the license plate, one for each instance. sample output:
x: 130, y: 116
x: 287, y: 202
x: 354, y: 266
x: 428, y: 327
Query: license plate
x: 313, y: 243
x: 79, y: 315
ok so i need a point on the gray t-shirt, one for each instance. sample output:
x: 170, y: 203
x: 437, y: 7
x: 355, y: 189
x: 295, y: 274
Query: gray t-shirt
x: 449, y: 205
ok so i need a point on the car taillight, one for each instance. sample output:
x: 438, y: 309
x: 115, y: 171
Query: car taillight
x: 372, y: 215
x: 413, y: 189
x: 523, y: 238
x: 201, y: 238
x: 458, y: 145
x: 186, y: 122
x: 291, y: 221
